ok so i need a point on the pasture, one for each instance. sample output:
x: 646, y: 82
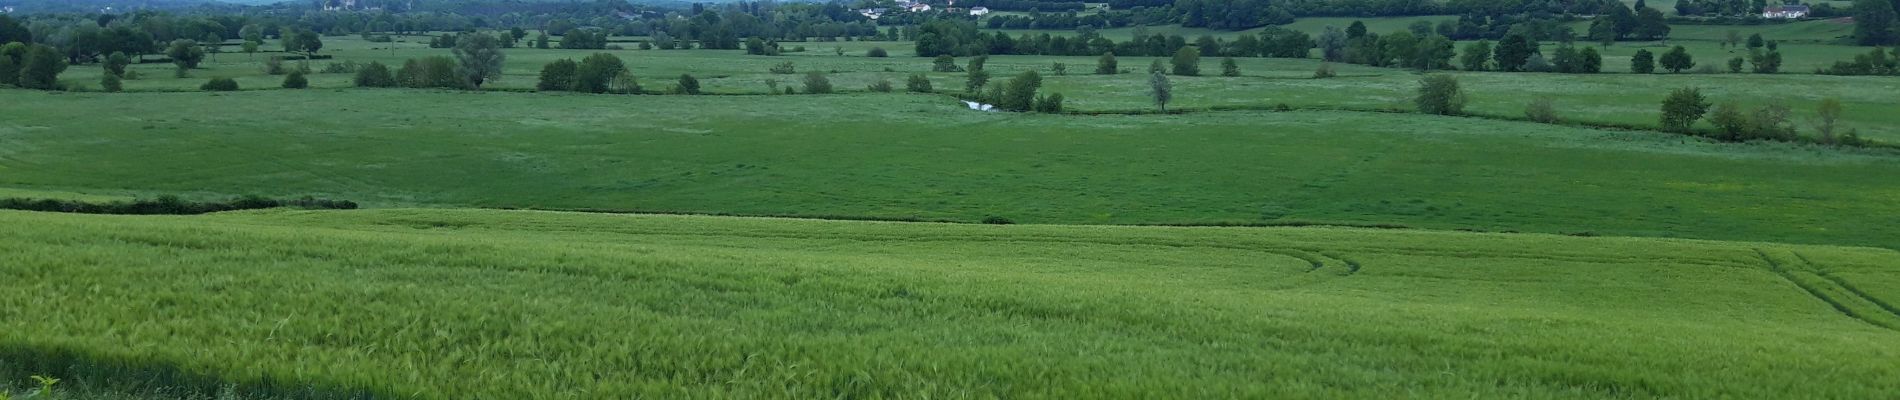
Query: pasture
x: 524, y: 244
x: 463, y: 304
x: 1610, y: 98
x: 923, y: 156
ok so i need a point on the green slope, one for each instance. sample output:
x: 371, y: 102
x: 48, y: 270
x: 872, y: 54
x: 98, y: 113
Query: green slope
x: 494, y: 304
x: 924, y: 156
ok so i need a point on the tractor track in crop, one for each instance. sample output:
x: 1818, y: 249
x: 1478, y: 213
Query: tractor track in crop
x: 1816, y: 292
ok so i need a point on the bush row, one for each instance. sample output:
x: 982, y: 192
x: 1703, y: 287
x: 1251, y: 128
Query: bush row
x: 170, y: 205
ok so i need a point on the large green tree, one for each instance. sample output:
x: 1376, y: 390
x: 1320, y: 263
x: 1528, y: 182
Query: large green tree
x: 1682, y: 108
x: 1677, y: 59
x: 480, y: 59
x: 1187, y: 62
x: 1874, y: 23
x: 1513, y: 52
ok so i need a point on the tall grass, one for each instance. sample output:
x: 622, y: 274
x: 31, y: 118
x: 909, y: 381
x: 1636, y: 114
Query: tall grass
x: 498, y: 304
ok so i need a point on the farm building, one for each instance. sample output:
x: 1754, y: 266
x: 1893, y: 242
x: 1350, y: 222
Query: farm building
x: 1784, y: 12
x: 979, y: 11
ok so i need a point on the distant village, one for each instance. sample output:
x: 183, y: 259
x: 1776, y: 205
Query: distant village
x: 918, y: 6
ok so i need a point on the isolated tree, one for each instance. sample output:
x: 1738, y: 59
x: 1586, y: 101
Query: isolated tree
x: 1682, y: 108
x: 111, y: 83
x: 1768, y: 62
x: 1161, y: 89
x: 1827, y: 117
x: 918, y: 83
x: 976, y: 80
x: 185, y: 53
x: 541, y: 42
x: 1677, y: 59
x: 516, y: 33
x: 1513, y: 53
x: 214, y: 44
x: 1020, y: 93
x: 40, y: 67
x: 1187, y: 62
x: 1432, y: 52
x: 1476, y: 56
x: 817, y: 83
x: 687, y: 84
x: 1356, y: 30
x: 1157, y: 66
x: 116, y: 62
x: 1589, y: 61
x: 303, y: 41
x: 1650, y: 24
x: 1730, y: 124
x: 1735, y: 65
x: 596, y: 73
x: 1755, y: 41
x: 250, y: 48
x: 1107, y: 64
x: 1228, y: 67
x: 480, y: 59
x: 557, y: 75
x: 1642, y: 62
x: 1602, y: 30
x: 295, y: 80
x: 374, y: 75
x: 1874, y: 23
x: 1439, y: 94
x: 945, y: 63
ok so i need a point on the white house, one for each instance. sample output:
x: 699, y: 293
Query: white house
x: 1784, y: 12
x: 339, y: 5
x: 979, y: 11
x: 872, y: 13
x: 6, y: 10
x: 918, y: 7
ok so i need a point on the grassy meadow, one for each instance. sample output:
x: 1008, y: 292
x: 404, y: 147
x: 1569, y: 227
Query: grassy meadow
x: 891, y: 155
x: 1593, y: 258
x: 497, y: 304
x: 1611, y: 98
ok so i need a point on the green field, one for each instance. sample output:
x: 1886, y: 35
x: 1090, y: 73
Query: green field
x: 465, y: 304
x: 1603, y: 98
x: 893, y: 155
x: 696, y: 246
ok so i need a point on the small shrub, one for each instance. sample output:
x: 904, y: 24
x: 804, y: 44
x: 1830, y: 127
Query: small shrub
x: 111, y: 83
x: 1325, y: 71
x: 817, y: 83
x: 274, y: 65
x: 918, y: 83
x: 1282, y: 107
x: 687, y: 85
x: 375, y: 75
x: 133, y: 75
x: 296, y: 81
x: 1051, y: 103
x: 1541, y: 109
x: 1440, y: 94
x: 877, y: 52
x: 784, y: 68
x: 219, y: 85
x: 995, y: 220
x: 881, y: 86
x: 346, y: 67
